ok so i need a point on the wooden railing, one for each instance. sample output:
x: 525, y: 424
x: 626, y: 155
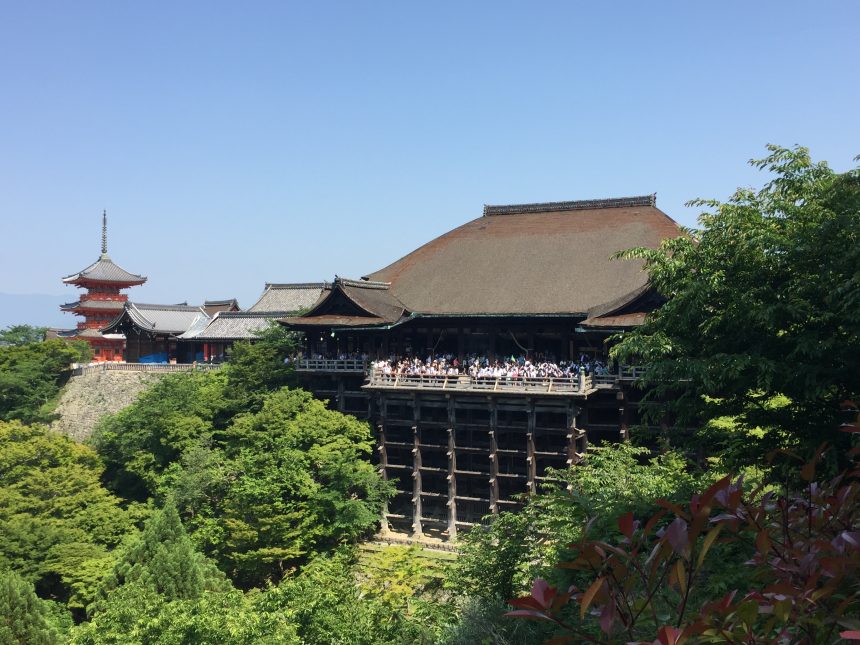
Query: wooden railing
x: 107, y: 366
x: 630, y: 372
x: 604, y: 380
x: 331, y: 365
x: 581, y: 384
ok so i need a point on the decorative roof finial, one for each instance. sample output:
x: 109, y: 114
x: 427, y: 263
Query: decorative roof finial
x: 104, y: 232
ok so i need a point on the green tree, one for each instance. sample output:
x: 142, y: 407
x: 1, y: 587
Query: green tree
x: 500, y: 560
x: 25, y: 619
x: 259, y: 367
x: 304, y: 485
x: 762, y: 322
x: 31, y: 376
x: 326, y: 605
x: 163, y: 558
x: 58, y: 524
x: 22, y: 334
x: 136, y: 613
x: 141, y: 441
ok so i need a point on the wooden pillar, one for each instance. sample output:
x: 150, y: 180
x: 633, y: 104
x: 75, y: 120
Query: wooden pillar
x: 494, y: 331
x: 530, y: 447
x: 461, y: 344
x: 417, y: 527
x: 382, y: 449
x: 494, y: 457
x: 576, y: 438
x: 341, y: 399
x: 452, y: 470
x: 565, y: 343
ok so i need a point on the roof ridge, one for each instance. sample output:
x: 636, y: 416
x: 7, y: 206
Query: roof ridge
x: 177, y: 307
x: 249, y: 314
x: 582, y: 204
x: 296, y: 285
x: 363, y: 284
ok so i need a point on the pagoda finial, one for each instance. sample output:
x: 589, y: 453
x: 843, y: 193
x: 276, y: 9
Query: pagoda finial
x: 104, y: 232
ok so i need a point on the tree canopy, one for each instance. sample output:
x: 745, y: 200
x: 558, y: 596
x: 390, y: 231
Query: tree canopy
x: 31, y: 375
x: 762, y: 322
x: 22, y: 334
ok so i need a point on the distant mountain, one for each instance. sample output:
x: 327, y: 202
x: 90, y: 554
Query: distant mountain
x: 37, y: 309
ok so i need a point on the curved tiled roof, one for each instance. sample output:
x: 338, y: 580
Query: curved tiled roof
x: 212, y: 307
x: 160, y: 319
x: 353, y: 303
x: 234, y: 325
x: 531, y: 259
x: 281, y: 297
x: 110, y: 305
x: 104, y: 270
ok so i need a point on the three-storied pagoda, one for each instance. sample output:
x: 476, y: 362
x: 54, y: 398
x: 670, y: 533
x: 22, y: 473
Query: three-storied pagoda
x: 103, y: 300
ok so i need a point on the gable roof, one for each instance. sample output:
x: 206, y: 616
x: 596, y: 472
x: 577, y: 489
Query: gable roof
x: 526, y: 259
x: 159, y: 319
x: 212, y: 307
x: 234, y: 325
x: 354, y: 303
x: 104, y: 270
x: 288, y: 297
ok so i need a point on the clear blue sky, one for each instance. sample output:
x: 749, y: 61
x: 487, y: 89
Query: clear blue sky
x: 238, y: 143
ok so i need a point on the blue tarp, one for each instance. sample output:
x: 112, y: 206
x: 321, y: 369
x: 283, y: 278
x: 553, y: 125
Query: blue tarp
x: 154, y: 358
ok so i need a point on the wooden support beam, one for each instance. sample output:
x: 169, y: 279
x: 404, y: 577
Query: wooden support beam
x: 383, y: 459
x: 531, y: 459
x: 452, y: 471
x: 417, y: 528
x: 494, y: 457
x: 341, y: 399
x: 574, y: 435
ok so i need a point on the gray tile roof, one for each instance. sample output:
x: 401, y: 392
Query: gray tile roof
x: 160, y: 319
x: 235, y: 325
x: 212, y: 307
x: 285, y: 297
x: 104, y: 270
x: 115, y: 305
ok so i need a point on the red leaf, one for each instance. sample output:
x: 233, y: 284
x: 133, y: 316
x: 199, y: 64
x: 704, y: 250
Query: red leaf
x: 668, y: 635
x: 522, y: 613
x: 708, y: 495
x: 676, y: 535
x: 526, y: 602
x: 607, y: 617
x: 625, y: 524
x: 851, y: 635
x: 672, y: 507
x: 543, y: 593
x: 588, y: 596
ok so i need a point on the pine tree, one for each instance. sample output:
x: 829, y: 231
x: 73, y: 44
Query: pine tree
x: 164, y: 559
x: 24, y: 617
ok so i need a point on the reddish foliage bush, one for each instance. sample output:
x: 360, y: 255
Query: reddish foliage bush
x: 645, y: 586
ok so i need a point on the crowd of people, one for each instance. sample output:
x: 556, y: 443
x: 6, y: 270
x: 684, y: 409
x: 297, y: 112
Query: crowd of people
x: 511, y: 367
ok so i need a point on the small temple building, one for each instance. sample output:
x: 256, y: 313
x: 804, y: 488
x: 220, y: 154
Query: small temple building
x: 103, y: 282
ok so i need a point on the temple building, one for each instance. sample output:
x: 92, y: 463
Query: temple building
x: 279, y: 300
x: 103, y: 281
x: 152, y: 331
x: 528, y: 283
